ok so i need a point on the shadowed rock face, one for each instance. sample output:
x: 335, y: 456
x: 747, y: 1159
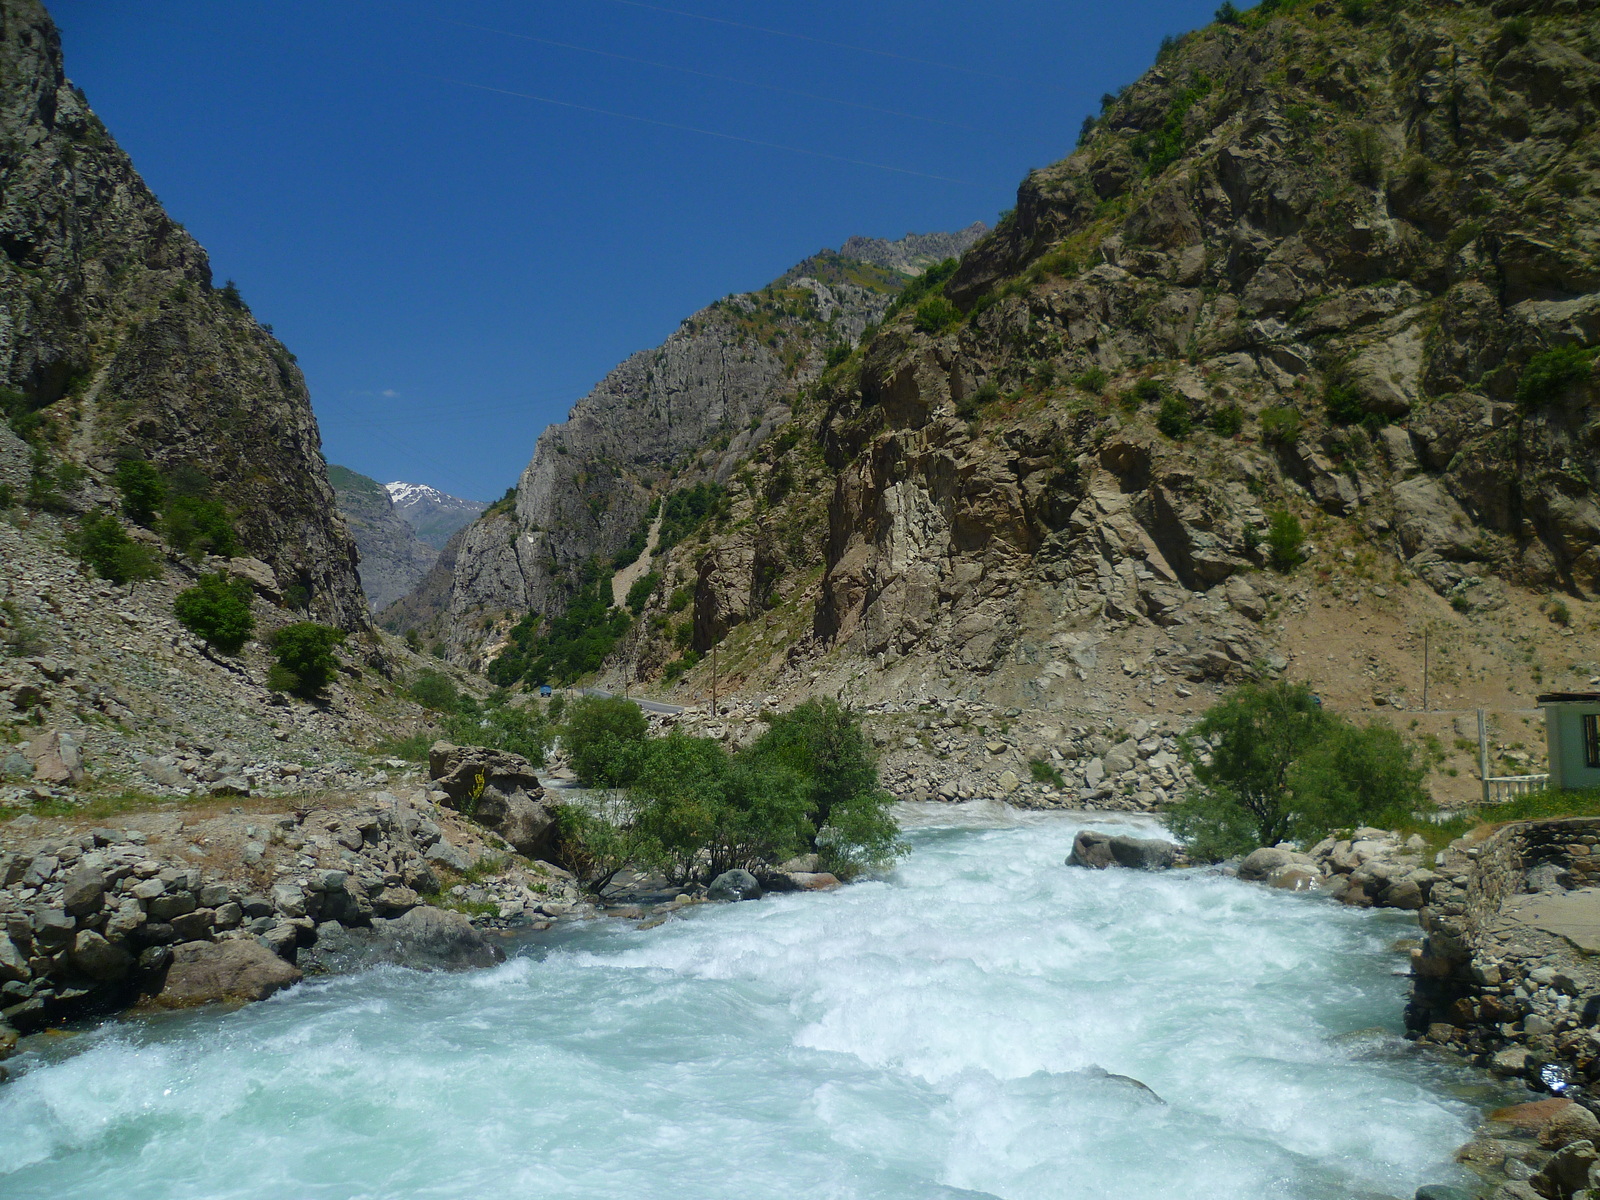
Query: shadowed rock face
x: 497, y: 789
x: 112, y: 329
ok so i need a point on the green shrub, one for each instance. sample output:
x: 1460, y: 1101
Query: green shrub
x: 435, y: 690
x: 1357, y: 12
x: 568, y: 647
x: 217, y: 608
x: 1229, y: 14
x: 641, y: 591
x: 143, y: 490
x: 971, y: 406
x: 1148, y: 391
x: 1045, y: 772
x: 104, y: 545
x: 1093, y: 381
x: 936, y: 315
x: 8, y: 497
x: 1166, y: 145
x: 1226, y: 421
x: 306, y: 662
x: 1343, y: 404
x: 1548, y: 374
x: 1285, y: 539
x: 1560, y: 613
x: 1277, y: 765
x: 1280, y: 425
x: 686, y: 509
x: 603, y: 736
x: 1173, y: 418
x: 680, y: 598
x: 196, y: 526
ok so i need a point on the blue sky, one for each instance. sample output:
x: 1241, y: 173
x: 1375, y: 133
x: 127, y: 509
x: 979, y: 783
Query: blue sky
x: 454, y: 266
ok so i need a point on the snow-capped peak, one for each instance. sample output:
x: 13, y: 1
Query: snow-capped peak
x: 410, y: 493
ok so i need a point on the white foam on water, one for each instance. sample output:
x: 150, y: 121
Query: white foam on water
x: 946, y: 1032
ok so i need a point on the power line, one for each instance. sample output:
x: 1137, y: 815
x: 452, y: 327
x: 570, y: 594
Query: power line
x: 730, y: 137
x: 770, y: 87
x: 802, y: 37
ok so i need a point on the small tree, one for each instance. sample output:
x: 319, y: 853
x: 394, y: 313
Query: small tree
x: 1174, y: 419
x: 197, y: 526
x: 104, y: 545
x: 306, y: 662
x: 435, y: 690
x: 142, y: 488
x: 217, y: 609
x: 1286, y: 540
x: 603, y: 736
x: 821, y: 741
x: 937, y: 315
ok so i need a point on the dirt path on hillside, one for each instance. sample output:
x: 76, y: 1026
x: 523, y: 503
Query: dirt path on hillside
x: 639, y: 567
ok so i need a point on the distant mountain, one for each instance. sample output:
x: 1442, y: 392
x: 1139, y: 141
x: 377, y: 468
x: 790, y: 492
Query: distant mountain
x: 434, y: 515
x: 393, y: 558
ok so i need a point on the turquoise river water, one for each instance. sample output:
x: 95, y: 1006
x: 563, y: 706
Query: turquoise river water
x: 947, y: 1032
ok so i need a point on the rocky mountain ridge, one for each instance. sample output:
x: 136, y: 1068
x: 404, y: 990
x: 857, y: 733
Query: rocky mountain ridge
x: 115, y: 343
x: 685, y: 412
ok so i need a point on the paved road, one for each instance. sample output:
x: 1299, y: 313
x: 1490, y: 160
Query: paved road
x: 654, y: 706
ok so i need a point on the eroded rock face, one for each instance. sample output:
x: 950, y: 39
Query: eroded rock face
x: 497, y: 789
x: 113, y: 331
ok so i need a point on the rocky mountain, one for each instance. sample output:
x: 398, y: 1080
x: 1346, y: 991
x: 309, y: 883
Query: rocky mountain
x: 684, y: 413
x: 434, y: 515
x: 914, y: 253
x: 115, y: 342
x: 1292, y: 361
x: 393, y: 558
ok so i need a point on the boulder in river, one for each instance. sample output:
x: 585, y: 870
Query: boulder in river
x: 240, y: 969
x: 736, y: 884
x: 1101, y: 850
x: 424, y: 938
x: 497, y: 789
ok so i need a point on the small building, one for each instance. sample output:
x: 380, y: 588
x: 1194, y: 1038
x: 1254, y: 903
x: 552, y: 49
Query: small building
x: 1572, y: 730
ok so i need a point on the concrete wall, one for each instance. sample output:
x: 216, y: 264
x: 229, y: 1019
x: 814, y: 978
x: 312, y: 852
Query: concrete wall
x: 1564, y: 734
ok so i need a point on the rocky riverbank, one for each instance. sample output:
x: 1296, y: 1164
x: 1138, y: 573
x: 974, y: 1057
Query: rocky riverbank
x: 189, y: 904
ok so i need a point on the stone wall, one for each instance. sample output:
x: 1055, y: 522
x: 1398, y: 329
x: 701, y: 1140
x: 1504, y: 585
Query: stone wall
x: 1489, y: 983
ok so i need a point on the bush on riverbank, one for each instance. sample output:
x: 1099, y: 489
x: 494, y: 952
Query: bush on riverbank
x: 494, y: 723
x: 691, y: 809
x: 1273, y: 764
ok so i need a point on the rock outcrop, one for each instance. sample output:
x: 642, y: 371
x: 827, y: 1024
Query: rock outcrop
x: 115, y: 343
x: 1098, y: 851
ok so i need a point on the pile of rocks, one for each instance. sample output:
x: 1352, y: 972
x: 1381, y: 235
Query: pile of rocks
x: 1542, y: 1150
x: 1372, y: 868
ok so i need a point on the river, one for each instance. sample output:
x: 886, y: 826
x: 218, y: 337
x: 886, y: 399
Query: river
x: 947, y: 1032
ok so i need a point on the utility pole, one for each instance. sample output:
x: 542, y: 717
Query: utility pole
x: 713, y: 681
x: 1483, y: 755
x: 1425, y: 664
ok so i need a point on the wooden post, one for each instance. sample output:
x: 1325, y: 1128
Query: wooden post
x: 1483, y: 755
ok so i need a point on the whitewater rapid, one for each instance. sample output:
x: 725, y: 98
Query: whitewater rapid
x: 945, y: 1032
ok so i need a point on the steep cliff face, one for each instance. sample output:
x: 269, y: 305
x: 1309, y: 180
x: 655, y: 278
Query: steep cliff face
x: 393, y: 559
x: 687, y: 411
x: 1332, y: 270
x: 114, y: 343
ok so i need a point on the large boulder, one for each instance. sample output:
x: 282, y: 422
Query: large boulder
x: 1259, y: 865
x: 1101, y: 850
x: 736, y: 884
x: 424, y: 938
x: 56, y: 758
x: 238, y: 970
x: 98, y: 959
x: 499, y: 791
